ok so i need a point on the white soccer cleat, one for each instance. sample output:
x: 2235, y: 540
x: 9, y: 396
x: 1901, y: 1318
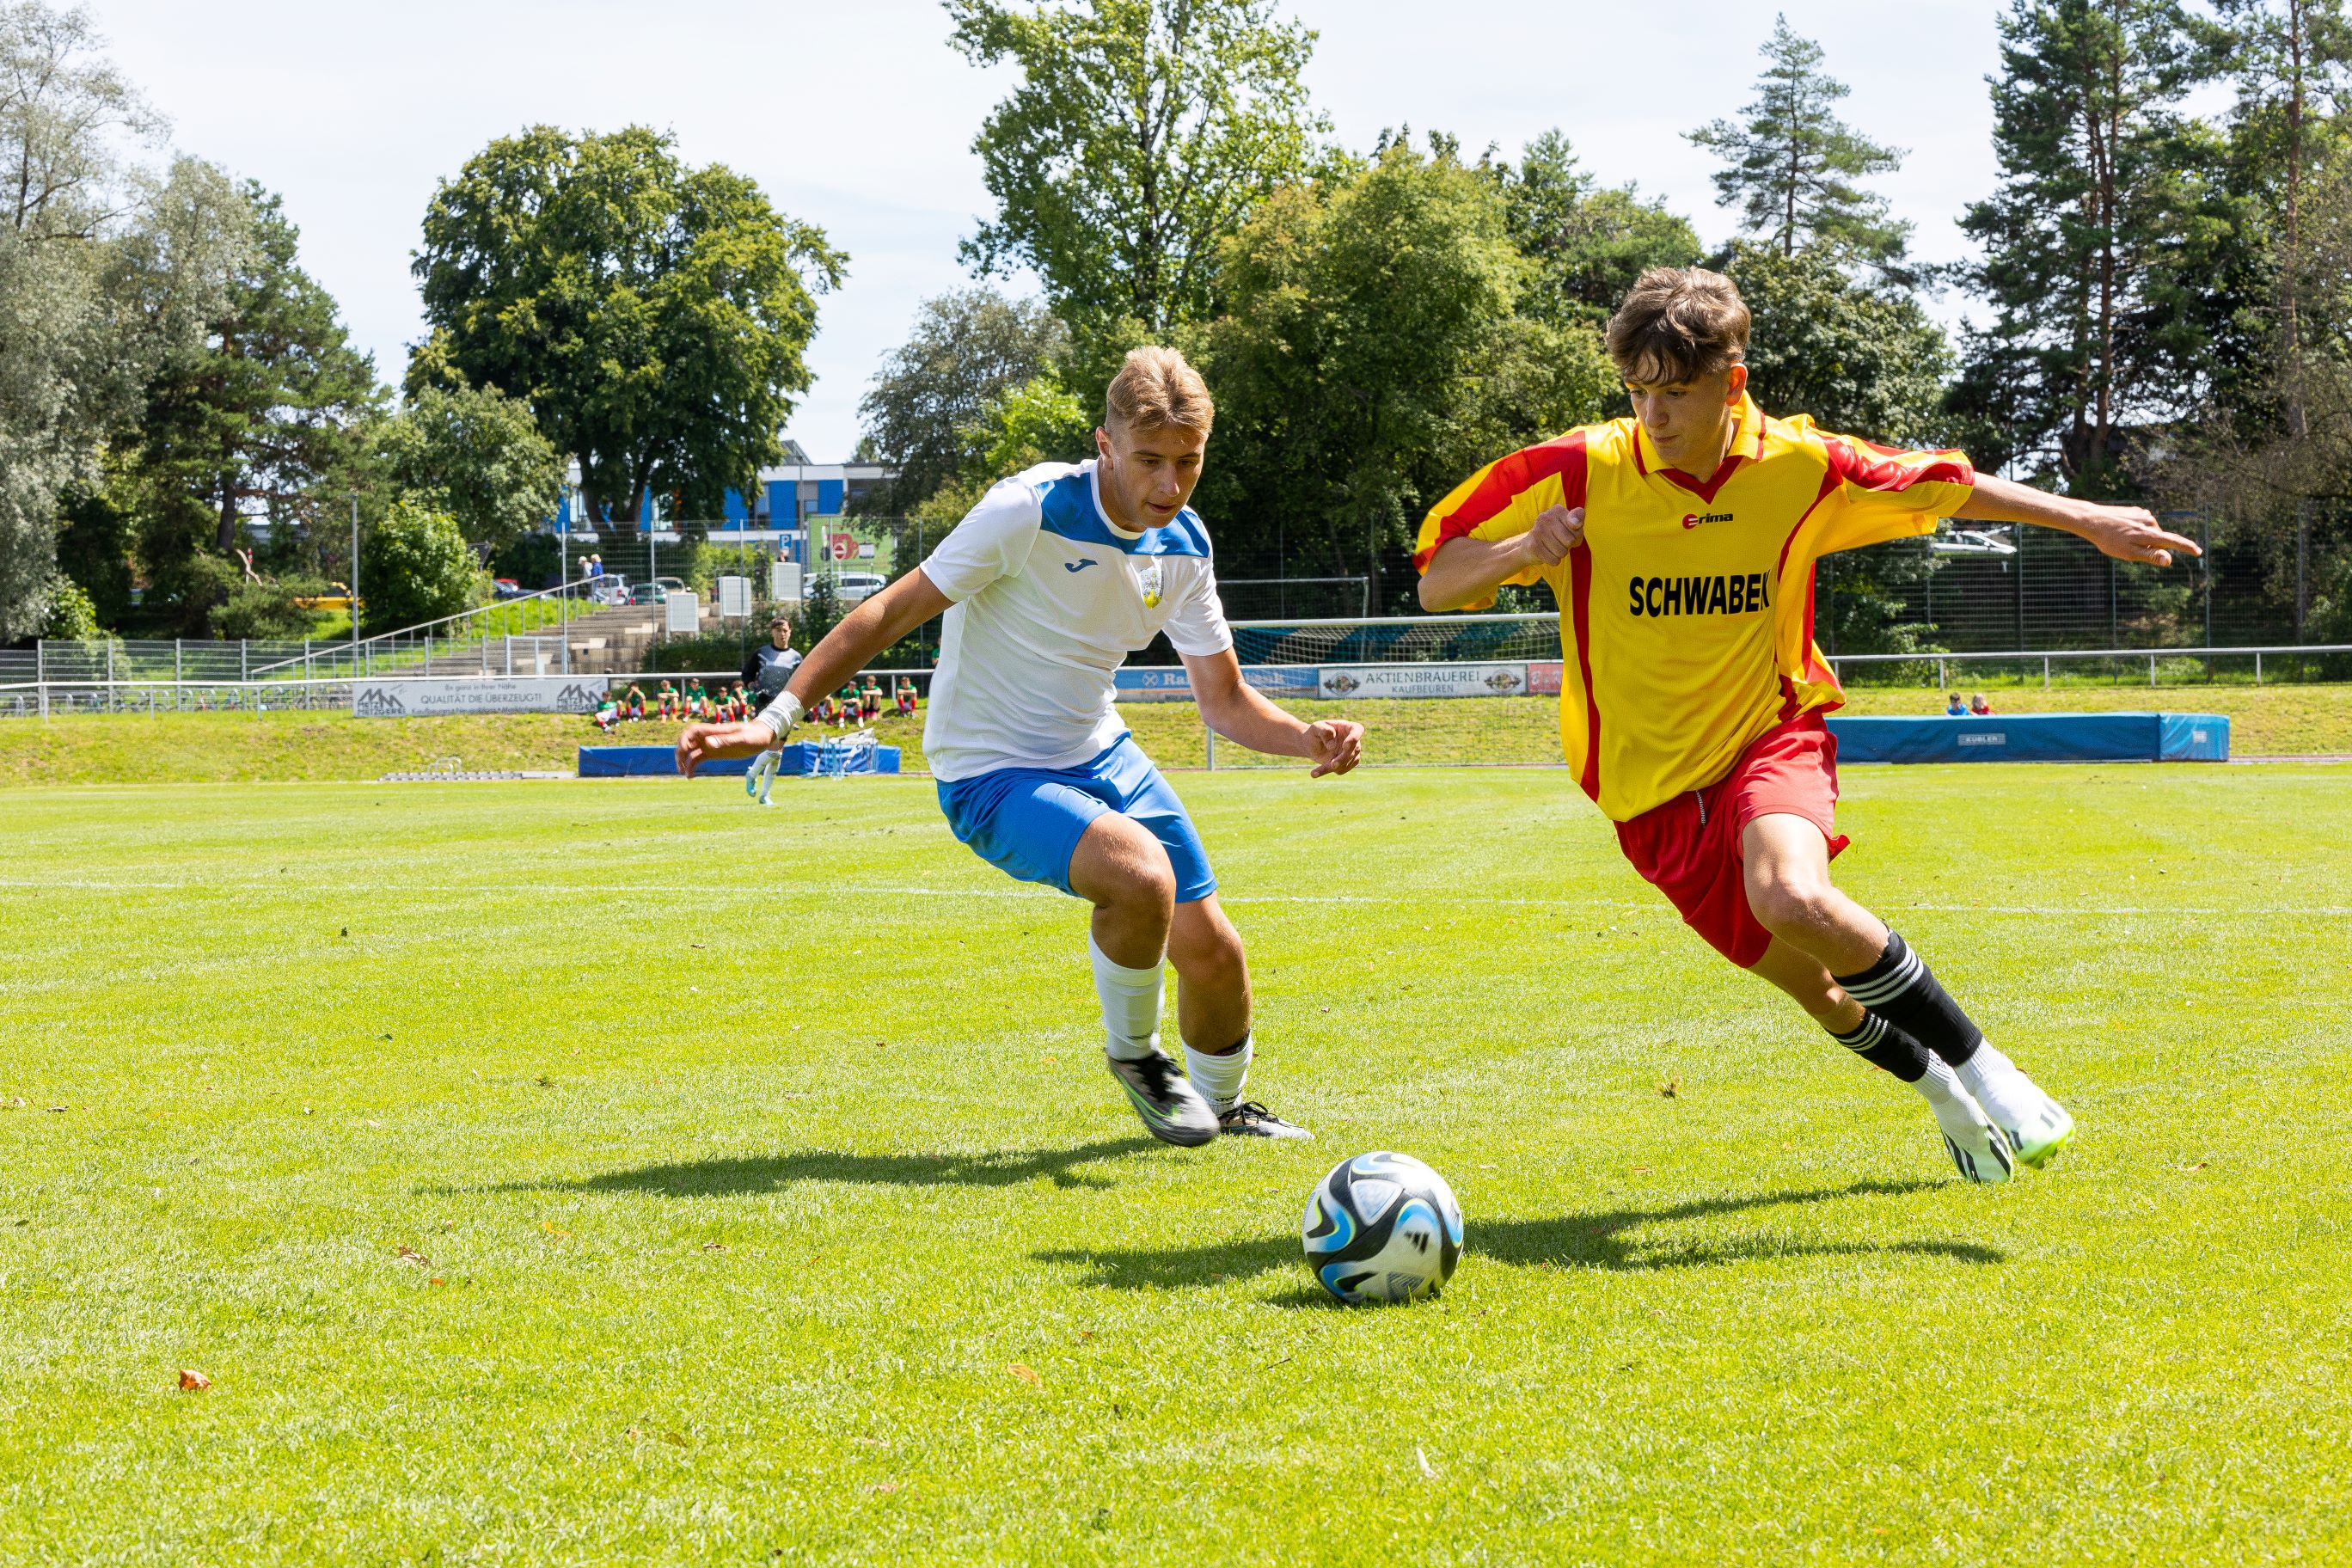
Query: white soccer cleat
x: 2037, y: 1127
x: 1979, y: 1149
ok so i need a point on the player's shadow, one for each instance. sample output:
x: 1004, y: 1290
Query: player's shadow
x: 1606, y: 1239
x: 772, y: 1173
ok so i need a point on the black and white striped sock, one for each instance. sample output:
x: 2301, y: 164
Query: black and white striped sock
x: 1881, y: 1044
x: 1901, y: 989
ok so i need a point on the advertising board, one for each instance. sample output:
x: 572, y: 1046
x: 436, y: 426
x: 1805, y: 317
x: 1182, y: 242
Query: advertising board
x: 1424, y: 680
x: 476, y: 694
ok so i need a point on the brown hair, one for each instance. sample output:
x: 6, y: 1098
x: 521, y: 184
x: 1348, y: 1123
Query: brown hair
x: 1676, y: 323
x: 1154, y: 389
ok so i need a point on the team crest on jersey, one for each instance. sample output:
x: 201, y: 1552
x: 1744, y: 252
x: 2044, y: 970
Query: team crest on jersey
x: 1149, y: 577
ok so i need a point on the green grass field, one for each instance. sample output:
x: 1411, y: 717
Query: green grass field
x: 584, y: 1173
x: 204, y: 748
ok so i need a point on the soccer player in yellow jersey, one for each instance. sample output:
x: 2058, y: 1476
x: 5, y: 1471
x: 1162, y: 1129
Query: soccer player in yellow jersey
x: 1680, y: 546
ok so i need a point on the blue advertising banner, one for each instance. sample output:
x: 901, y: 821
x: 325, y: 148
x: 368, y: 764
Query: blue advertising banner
x: 1168, y: 683
x: 2034, y: 738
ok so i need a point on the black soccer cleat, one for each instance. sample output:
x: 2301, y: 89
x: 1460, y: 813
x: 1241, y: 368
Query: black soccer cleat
x: 1248, y: 1118
x: 1172, y: 1109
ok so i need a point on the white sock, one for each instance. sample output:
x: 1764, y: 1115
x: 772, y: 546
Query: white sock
x: 2009, y: 1097
x: 1219, y: 1078
x: 1940, y: 1085
x: 1131, y: 1005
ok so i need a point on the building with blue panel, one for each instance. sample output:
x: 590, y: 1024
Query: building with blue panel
x: 776, y: 512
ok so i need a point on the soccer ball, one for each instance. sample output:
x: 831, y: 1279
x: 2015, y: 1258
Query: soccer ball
x: 1381, y: 1227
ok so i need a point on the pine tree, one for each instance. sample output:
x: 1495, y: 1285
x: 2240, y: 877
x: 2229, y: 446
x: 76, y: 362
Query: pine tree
x: 1790, y: 164
x: 2098, y: 247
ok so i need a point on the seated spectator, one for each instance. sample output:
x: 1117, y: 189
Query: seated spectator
x: 869, y: 700
x: 636, y: 703
x: 906, y: 697
x: 665, y: 701
x: 847, y: 700
x: 1953, y: 707
x: 608, y: 713
x: 1978, y: 706
x: 698, y: 701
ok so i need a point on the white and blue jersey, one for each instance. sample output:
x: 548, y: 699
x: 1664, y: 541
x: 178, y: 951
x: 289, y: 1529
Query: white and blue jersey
x: 1050, y: 598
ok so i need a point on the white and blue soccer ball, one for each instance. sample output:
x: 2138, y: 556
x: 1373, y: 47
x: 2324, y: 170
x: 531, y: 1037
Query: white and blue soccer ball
x: 1383, y: 1227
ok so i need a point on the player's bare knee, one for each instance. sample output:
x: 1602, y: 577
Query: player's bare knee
x: 1210, y: 955
x: 1789, y: 907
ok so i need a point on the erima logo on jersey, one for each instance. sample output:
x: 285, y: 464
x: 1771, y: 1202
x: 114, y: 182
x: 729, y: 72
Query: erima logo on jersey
x: 1733, y: 596
x: 1693, y: 519
x: 1080, y: 564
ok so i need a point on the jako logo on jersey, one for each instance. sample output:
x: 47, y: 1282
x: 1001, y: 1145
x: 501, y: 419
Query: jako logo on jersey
x: 1693, y: 519
x: 1735, y: 596
x: 1080, y: 564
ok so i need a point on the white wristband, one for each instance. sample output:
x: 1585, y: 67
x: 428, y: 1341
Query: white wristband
x: 780, y: 715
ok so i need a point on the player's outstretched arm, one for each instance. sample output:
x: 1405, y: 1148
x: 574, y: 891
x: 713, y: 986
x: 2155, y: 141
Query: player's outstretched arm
x: 1467, y: 571
x: 2126, y: 533
x: 863, y: 633
x: 1241, y: 713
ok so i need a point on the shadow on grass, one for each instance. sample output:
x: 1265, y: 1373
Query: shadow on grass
x: 770, y: 1173
x: 1593, y: 1240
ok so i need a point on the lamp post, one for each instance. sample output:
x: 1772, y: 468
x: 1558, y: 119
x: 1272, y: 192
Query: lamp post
x: 355, y: 585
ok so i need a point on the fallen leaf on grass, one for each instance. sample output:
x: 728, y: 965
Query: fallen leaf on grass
x: 194, y: 1382
x: 57, y: 1107
x: 870, y: 1442
x: 2198, y: 1166
x: 14, y: 1103
x: 1671, y: 1089
x: 883, y: 1487
x: 554, y: 1229
x: 1486, y: 1167
x: 544, y: 1081
x: 1641, y: 1170
x: 714, y: 1246
x: 673, y: 1440
x: 1026, y: 1375
x: 1425, y: 1468
x: 371, y: 1122
x: 436, y: 1279
x: 407, y: 1254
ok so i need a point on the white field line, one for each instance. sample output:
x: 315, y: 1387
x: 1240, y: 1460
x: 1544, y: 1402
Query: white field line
x: 376, y: 889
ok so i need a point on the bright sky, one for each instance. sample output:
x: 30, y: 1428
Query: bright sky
x: 857, y: 116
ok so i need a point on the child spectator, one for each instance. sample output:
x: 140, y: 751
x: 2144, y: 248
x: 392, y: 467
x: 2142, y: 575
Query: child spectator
x: 608, y: 713
x: 847, y: 698
x: 636, y: 702
x: 1953, y: 707
x: 906, y: 697
x: 1978, y: 706
x: 869, y: 700
x: 697, y: 704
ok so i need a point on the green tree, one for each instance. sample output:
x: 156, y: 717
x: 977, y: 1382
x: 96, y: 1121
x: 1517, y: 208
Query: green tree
x: 1371, y: 354
x: 1587, y: 242
x: 1861, y: 358
x: 969, y: 347
x: 103, y: 269
x: 655, y: 318
x: 265, y: 418
x: 478, y: 455
x: 1789, y: 165
x: 416, y: 566
x: 1141, y: 136
x: 2288, y: 61
x: 2096, y: 251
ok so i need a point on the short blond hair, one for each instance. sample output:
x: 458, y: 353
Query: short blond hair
x: 1678, y: 323
x: 1156, y: 388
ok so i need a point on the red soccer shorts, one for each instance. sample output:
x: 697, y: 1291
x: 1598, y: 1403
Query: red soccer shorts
x: 1688, y: 849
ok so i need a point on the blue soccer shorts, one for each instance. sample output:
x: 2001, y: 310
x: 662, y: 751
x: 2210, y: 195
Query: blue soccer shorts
x: 1026, y: 822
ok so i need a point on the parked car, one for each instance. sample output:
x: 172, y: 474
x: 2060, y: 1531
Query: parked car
x: 671, y: 584
x: 607, y: 590
x: 853, y: 587
x: 648, y: 594
x: 505, y: 588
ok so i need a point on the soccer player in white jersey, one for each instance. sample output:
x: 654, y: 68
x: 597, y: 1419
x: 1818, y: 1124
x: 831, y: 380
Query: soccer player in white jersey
x: 1048, y: 585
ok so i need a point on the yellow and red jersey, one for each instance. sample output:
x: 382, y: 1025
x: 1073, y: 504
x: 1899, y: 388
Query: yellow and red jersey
x: 1686, y: 615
